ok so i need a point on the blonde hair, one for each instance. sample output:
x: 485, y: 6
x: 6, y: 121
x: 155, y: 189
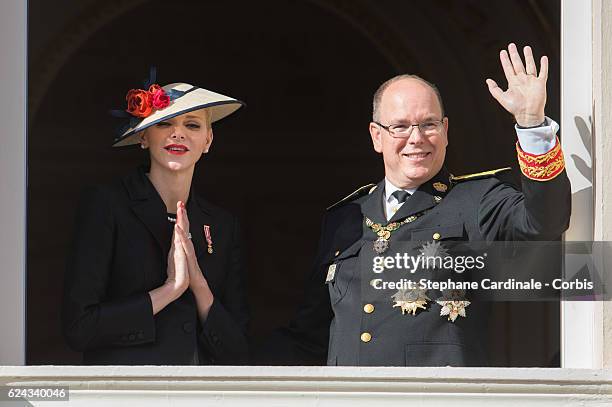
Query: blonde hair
x: 208, y: 118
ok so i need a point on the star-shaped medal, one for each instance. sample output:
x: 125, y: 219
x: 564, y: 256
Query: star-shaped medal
x: 410, y: 300
x: 453, y: 304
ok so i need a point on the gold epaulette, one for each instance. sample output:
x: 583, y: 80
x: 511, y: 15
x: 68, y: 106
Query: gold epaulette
x: 478, y: 175
x: 361, y: 191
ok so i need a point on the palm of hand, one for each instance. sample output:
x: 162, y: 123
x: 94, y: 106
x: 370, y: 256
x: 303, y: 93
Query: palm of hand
x: 525, y: 97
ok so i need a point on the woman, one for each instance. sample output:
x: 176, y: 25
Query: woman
x: 156, y: 274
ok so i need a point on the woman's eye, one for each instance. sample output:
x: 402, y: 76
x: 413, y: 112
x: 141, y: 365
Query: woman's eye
x: 162, y: 124
x: 193, y: 126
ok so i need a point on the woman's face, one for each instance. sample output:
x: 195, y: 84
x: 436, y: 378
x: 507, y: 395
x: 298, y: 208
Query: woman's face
x: 176, y: 144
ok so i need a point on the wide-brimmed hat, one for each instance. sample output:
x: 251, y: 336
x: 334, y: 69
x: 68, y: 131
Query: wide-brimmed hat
x: 148, y: 107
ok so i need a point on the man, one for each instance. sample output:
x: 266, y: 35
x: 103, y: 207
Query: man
x: 419, y: 200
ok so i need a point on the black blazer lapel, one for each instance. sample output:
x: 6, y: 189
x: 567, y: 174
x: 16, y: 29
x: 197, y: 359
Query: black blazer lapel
x: 148, y: 206
x: 200, y: 216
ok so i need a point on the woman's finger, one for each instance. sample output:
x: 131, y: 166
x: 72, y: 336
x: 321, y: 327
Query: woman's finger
x: 185, y: 218
x: 186, y: 243
x: 179, y: 213
x: 178, y: 244
x: 181, y: 216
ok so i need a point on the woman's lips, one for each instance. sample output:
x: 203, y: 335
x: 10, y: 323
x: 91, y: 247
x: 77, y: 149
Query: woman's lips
x: 176, y: 149
x: 173, y: 152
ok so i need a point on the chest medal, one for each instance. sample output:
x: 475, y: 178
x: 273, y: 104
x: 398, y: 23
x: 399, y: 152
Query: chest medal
x: 410, y: 300
x: 453, y: 304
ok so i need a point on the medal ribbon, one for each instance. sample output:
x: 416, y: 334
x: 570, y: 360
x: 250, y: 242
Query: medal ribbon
x: 208, y: 238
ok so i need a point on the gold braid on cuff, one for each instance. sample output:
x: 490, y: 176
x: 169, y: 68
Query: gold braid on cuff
x: 542, y: 167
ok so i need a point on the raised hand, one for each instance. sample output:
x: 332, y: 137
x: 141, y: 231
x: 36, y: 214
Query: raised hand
x: 525, y: 97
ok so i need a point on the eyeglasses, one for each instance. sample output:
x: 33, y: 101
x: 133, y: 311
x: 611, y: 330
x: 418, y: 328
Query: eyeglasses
x: 427, y: 128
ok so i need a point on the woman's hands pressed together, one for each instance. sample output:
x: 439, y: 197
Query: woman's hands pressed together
x: 183, y: 271
x: 197, y: 282
x: 178, y: 271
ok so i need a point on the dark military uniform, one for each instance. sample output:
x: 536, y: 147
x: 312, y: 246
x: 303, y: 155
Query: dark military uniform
x: 356, y: 327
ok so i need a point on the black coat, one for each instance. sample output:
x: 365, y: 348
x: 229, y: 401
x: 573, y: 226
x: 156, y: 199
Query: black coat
x: 333, y: 318
x: 120, y: 253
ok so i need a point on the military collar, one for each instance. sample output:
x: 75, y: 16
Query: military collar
x: 426, y: 196
x: 390, y: 188
x: 372, y: 206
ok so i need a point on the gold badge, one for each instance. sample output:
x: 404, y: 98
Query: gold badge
x: 409, y: 300
x: 440, y: 187
x: 453, y: 304
x: 331, y: 272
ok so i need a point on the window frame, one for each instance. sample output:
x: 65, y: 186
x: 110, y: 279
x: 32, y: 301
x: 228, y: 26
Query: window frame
x: 581, y: 322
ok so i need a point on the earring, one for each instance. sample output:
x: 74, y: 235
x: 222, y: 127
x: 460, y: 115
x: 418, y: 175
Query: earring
x: 142, y: 146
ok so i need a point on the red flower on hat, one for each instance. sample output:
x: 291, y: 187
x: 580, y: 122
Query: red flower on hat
x: 160, y: 99
x: 141, y: 103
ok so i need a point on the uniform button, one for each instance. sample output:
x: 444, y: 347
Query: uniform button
x: 132, y: 337
x: 366, y: 337
x: 337, y: 253
x: 436, y: 236
x: 188, y: 327
x: 368, y: 308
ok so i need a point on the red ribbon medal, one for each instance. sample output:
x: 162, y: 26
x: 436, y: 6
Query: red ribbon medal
x: 208, y: 238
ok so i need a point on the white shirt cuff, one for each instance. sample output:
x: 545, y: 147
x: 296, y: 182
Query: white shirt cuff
x: 538, y: 140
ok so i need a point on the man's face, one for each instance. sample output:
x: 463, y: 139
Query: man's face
x: 410, y: 162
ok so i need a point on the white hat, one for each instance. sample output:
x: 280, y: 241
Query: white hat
x: 171, y: 100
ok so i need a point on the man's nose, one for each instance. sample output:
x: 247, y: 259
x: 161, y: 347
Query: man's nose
x: 416, y: 137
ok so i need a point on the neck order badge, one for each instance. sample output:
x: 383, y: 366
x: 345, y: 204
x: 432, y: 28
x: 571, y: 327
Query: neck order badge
x: 384, y: 232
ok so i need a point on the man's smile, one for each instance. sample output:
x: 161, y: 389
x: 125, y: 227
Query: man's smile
x: 417, y: 156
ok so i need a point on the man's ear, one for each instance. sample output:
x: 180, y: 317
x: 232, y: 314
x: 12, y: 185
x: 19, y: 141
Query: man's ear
x: 376, y: 135
x: 445, y: 122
